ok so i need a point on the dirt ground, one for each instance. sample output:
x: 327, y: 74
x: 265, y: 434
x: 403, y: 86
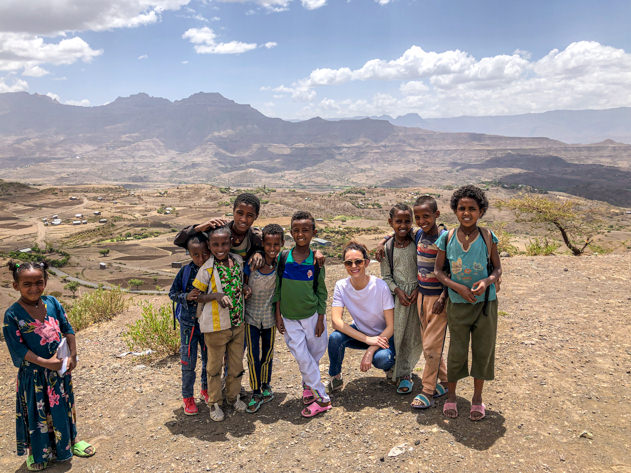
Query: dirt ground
x: 561, y: 400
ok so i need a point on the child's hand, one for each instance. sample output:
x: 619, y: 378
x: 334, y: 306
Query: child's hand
x: 212, y: 223
x: 479, y: 287
x: 72, y: 363
x: 366, y: 362
x: 403, y: 298
x: 466, y: 294
x: 414, y: 296
x: 247, y: 291
x: 192, y: 296
x: 319, y: 258
x: 280, y: 326
x: 378, y: 341
x: 256, y: 261
x: 439, y: 305
x: 225, y: 301
x: 319, y: 330
x: 54, y: 363
x: 380, y: 251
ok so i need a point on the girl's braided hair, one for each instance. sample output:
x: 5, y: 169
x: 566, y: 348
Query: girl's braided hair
x: 16, y: 268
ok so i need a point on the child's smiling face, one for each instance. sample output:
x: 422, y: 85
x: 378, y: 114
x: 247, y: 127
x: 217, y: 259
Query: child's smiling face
x: 401, y: 222
x: 244, y: 216
x: 199, y: 253
x: 303, y: 231
x: 271, y: 246
x: 425, y: 218
x: 468, y: 212
x: 31, y: 284
x: 219, y: 244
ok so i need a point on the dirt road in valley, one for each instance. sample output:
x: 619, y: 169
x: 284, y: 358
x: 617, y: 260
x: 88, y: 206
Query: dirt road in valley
x: 561, y: 400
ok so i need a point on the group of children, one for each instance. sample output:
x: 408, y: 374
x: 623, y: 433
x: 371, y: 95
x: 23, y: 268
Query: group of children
x: 246, y: 287
x: 241, y: 286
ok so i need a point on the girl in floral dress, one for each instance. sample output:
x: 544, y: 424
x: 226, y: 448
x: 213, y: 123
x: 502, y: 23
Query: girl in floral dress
x: 33, y: 329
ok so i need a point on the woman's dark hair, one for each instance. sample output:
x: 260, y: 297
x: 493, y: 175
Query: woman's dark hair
x: 471, y: 192
x: 401, y: 206
x: 248, y: 199
x: 354, y: 245
x: 199, y: 238
x: 17, y: 267
x: 274, y: 229
x: 216, y: 231
x: 427, y: 199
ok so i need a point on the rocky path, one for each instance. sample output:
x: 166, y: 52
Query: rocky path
x: 561, y: 400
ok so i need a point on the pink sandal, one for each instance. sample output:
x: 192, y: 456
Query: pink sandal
x: 480, y: 409
x: 307, y: 396
x: 450, y: 406
x: 315, y: 408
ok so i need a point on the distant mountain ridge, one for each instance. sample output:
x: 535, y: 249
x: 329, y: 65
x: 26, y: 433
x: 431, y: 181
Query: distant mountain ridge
x: 569, y: 126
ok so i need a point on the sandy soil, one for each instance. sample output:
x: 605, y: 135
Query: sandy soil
x: 561, y: 400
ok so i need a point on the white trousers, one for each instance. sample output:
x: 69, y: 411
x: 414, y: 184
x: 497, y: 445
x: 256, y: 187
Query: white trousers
x: 307, y: 350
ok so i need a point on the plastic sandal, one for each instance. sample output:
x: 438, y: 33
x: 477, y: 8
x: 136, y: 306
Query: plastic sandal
x: 307, y: 396
x: 255, y: 403
x: 315, y: 408
x: 480, y: 409
x: 440, y: 391
x: 450, y: 406
x: 426, y: 402
x: 79, y: 449
x: 268, y: 394
x: 405, y: 385
x: 31, y: 465
x: 216, y: 414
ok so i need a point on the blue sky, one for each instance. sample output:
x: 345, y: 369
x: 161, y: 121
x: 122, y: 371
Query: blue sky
x: 330, y: 58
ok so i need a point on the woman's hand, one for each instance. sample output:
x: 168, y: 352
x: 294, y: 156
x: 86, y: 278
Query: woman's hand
x: 366, y: 362
x: 378, y: 341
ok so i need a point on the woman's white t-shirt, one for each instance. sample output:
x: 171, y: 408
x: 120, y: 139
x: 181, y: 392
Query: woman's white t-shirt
x: 366, y: 306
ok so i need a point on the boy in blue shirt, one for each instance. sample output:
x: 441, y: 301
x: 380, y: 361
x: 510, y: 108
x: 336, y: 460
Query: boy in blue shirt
x: 183, y: 293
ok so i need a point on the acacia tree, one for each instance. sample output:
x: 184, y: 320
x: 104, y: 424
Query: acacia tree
x: 577, y: 224
x: 72, y: 286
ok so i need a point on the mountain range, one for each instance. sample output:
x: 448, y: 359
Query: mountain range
x: 142, y: 140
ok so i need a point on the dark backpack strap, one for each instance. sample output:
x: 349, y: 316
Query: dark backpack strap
x: 390, y: 255
x: 282, y: 259
x: 316, y: 275
x: 485, y: 233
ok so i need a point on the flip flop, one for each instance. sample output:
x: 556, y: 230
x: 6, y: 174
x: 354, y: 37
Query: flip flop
x: 440, y: 391
x: 307, y: 396
x: 268, y: 394
x: 255, y: 403
x: 427, y: 402
x: 480, y: 409
x: 30, y: 464
x: 405, y: 386
x: 314, y: 409
x: 79, y: 449
x: 450, y: 406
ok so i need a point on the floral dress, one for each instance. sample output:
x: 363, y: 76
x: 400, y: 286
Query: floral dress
x: 45, y: 411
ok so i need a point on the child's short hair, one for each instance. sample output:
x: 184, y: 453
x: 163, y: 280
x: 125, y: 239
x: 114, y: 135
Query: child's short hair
x: 16, y: 268
x: 471, y: 192
x: 216, y: 231
x: 355, y: 245
x: 400, y: 206
x: 429, y: 200
x: 302, y: 215
x: 199, y: 238
x: 248, y: 199
x: 273, y: 229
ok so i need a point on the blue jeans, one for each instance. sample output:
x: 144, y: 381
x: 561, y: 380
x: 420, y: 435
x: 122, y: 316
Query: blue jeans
x: 383, y: 358
x: 191, y: 337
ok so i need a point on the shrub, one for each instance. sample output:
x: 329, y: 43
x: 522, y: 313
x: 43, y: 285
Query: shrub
x: 135, y: 283
x: 504, y: 240
x: 97, y: 306
x: 541, y: 247
x: 72, y: 286
x: 153, y: 331
x: 104, y: 251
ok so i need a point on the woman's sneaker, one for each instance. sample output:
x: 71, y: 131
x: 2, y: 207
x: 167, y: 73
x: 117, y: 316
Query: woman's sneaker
x: 190, y: 408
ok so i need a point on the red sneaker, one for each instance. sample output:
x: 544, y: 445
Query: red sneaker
x: 190, y: 408
x: 204, y: 394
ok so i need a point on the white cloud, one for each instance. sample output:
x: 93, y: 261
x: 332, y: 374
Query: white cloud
x: 25, y: 52
x: 270, y: 5
x: 143, y: 56
x: 585, y: 74
x: 383, y: 2
x: 205, y: 42
x: 313, y: 4
x: 184, y: 62
x: 270, y: 44
x: 78, y: 103
x: 11, y: 84
x: 51, y: 17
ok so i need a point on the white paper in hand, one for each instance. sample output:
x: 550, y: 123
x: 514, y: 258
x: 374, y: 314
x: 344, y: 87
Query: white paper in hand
x: 63, y: 352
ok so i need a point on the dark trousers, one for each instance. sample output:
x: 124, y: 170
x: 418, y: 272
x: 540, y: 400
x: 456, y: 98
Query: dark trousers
x: 260, y: 344
x: 191, y: 338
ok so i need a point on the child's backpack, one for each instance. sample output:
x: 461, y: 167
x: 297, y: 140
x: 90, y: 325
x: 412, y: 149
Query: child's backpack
x: 175, y: 307
x: 488, y: 242
x: 282, y: 259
